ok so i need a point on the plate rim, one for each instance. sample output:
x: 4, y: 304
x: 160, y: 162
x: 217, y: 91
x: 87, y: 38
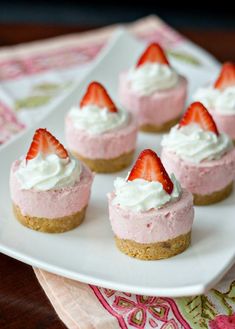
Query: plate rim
x: 197, y: 289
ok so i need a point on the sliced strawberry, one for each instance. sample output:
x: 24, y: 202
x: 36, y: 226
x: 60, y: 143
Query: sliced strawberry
x: 96, y: 94
x: 45, y: 143
x: 148, y: 166
x: 153, y: 54
x: 197, y: 113
x: 226, y: 77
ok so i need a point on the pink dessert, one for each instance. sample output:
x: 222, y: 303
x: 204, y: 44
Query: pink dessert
x: 202, y: 159
x: 99, y: 134
x: 151, y: 216
x: 219, y: 98
x: 155, y: 225
x: 225, y: 123
x: 153, y: 91
x: 51, y: 203
x: 204, y: 178
x: 108, y: 145
x: 50, y: 189
x: 159, y: 108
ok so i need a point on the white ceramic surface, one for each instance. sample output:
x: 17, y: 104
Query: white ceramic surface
x: 88, y: 253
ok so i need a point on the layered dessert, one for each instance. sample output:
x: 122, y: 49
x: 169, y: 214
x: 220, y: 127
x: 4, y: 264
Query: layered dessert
x: 50, y: 189
x: 100, y: 134
x: 202, y: 158
x: 219, y: 98
x: 153, y: 91
x: 150, y: 214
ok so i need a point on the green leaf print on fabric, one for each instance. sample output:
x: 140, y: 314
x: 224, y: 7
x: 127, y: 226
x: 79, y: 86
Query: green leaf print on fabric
x: 32, y: 102
x: 47, y: 87
x: 199, y: 310
x: 226, y: 299
x: 41, y: 94
x: 51, y: 88
x: 184, y: 57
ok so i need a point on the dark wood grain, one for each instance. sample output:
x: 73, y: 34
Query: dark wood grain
x: 218, y: 42
x: 23, y: 304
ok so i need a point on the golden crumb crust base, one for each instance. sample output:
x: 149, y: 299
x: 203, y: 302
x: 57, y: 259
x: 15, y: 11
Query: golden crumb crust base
x: 203, y: 200
x: 150, y: 128
x: 54, y: 225
x: 154, y: 251
x: 107, y: 165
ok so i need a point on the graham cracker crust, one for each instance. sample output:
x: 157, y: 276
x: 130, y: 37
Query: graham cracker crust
x: 203, y: 200
x: 150, y: 128
x: 55, y: 225
x: 154, y: 251
x: 107, y: 165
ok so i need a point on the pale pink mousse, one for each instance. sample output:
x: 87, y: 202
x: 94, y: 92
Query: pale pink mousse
x: 155, y: 225
x: 157, y: 108
x: 225, y: 123
x: 54, y: 203
x: 203, y: 178
x: 108, y: 145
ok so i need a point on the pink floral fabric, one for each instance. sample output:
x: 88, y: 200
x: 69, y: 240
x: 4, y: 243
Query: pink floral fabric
x: 77, y: 55
x: 141, y: 311
x: 85, y: 306
x: 56, y: 60
x: 9, y: 124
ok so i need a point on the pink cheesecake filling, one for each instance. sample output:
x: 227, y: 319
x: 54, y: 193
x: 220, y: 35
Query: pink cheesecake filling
x: 225, y: 123
x: 154, y: 225
x: 203, y: 178
x: 54, y: 203
x: 108, y: 145
x: 158, y: 108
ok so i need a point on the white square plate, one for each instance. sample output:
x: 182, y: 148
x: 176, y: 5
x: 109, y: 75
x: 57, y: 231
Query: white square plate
x: 88, y: 253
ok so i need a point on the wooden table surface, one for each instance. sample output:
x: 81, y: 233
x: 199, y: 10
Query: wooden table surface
x: 23, y: 304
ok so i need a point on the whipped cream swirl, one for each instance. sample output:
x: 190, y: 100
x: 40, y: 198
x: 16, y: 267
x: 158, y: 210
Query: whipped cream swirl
x: 150, y: 77
x: 141, y: 195
x: 98, y: 120
x: 193, y: 144
x: 221, y: 101
x: 46, y: 173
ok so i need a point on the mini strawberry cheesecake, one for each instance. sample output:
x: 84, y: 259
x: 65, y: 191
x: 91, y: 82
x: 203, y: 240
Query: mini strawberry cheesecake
x: 219, y: 98
x: 202, y: 159
x: 151, y: 216
x: 49, y: 188
x: 99, y: 134
x: 153, y: 91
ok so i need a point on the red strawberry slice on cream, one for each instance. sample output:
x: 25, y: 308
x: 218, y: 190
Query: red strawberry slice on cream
x: 96, y: 94
x: 197, y: 113
x: 227, y: 76
x: 149, y: 167
x: 45, y: 143
x: 153, y: 54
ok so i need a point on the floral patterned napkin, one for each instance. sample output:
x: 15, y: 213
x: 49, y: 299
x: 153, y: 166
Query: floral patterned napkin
x: 33, y: 79
x: 85, y: 306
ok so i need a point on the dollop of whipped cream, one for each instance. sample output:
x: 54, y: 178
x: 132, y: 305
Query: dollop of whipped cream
x: 150, y: 77
x: 221, y: 101
x: 141, y: 195
x: 46, y: 173
x: 193, y: 144
x: 98, y: 120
